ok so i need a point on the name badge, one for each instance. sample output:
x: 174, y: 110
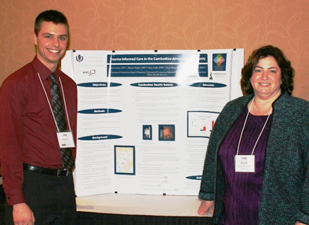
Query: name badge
x: 65, y: 139
x: 245, y: 163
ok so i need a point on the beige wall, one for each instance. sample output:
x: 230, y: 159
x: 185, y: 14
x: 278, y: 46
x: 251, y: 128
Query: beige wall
x: 164, y: 24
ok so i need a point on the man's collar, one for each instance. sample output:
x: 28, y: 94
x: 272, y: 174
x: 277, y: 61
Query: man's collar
x: 42, y: 69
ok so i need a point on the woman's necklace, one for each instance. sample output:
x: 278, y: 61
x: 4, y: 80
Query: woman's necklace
x: 246, y: 163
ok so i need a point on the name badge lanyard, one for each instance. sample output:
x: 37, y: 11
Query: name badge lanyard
x: 246, y: 163
x: 69, y: 141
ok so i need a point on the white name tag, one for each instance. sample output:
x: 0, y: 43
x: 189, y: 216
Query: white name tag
x: 245, y: 163
x: 65, y: 139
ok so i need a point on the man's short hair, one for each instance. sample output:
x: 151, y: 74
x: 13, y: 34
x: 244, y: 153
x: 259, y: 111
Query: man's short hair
x: 50, y: 16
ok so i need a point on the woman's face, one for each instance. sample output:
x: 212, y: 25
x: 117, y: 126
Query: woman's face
x: 266, y: 78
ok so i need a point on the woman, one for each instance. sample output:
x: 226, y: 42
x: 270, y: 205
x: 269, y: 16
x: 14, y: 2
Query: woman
x: 257, y: 164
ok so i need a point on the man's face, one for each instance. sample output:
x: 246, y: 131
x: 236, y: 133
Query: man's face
x: 51, y: 42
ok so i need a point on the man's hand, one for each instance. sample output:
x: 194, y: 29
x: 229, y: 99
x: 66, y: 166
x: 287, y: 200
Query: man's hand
x: 299, y: 223
x: 22, y: 214
x: 205, y: 207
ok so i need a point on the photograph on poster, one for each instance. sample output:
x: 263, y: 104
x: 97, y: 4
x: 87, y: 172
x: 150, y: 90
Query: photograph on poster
x: 166, y: 132
x: 124, y: 159
x: 147, y: 132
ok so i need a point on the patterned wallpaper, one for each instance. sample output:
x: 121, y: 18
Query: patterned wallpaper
x: 164, y: 24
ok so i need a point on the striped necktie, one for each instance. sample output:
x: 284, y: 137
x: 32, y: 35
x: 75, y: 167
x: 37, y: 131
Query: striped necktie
x: 58, y: 111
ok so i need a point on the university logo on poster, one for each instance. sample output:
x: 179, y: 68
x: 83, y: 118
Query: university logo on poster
x: 219, y: 62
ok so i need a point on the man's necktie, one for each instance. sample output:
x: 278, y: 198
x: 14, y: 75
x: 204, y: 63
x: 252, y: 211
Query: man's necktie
x: 66, y: 153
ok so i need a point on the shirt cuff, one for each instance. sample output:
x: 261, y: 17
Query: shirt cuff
x: 14, y: 196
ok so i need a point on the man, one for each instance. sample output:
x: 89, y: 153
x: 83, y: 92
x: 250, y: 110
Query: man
x: 37, y: 180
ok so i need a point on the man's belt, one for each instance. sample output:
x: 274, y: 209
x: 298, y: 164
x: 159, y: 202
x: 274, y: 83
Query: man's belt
x: 47, y: 171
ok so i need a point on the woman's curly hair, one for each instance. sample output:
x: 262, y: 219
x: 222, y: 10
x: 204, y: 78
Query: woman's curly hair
x: 287, y: 71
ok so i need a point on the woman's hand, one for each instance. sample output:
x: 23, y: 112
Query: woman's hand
x: 206, y: 206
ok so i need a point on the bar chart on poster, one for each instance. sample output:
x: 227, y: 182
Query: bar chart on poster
x: 145, y: 117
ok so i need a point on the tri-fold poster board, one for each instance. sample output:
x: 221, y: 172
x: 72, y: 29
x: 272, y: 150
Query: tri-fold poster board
x: 145, y: 117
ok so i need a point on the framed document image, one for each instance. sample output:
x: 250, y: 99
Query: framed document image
x: 124, y: 159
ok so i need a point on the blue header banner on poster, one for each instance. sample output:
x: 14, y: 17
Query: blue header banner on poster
x: 155, y: 65
x: 99, y: 84
x: 153, y: 58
